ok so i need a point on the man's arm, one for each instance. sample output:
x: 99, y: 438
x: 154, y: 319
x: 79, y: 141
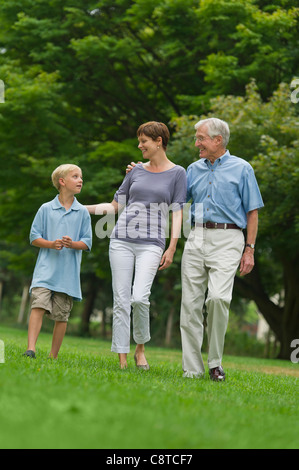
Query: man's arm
x: 247, y: 260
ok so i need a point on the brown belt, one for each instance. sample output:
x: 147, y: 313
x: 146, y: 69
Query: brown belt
x: 217, y: 225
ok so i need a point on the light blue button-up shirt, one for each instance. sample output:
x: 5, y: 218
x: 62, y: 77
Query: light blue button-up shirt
x: 59, y: 270
x: 223, y: 192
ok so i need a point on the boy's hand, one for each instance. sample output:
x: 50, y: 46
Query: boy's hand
x: 57, y: 244
x: 67, y: 242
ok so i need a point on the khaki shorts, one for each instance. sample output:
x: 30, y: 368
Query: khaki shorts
x: 57, y: 305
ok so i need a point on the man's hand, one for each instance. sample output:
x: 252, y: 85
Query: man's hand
x: 247, y: 262
x: 131, y: 166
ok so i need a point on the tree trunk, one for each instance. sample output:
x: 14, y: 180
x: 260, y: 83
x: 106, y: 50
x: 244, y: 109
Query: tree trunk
x: 169, y: 326
x: 283, y: 321
x: 290, y: 318
x: 89, y: 304
x: 103, y: 326
x: 24, y: 300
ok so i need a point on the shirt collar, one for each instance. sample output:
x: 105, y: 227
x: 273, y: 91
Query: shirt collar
x: 56, y: 204
x: 221, y: 159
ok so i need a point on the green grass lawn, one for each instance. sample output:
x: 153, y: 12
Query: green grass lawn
x: 83, y: 400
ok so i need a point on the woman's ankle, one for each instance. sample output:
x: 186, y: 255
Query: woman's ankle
x: 123, y: 360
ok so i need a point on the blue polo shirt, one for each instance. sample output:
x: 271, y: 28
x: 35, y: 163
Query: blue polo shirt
x: 223, y: 192
x: 59, y: 270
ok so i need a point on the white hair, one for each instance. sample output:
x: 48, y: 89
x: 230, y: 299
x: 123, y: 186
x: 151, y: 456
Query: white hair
x: 215, y: 127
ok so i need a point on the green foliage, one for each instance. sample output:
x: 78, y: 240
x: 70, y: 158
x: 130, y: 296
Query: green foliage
x: 81, y: 76
x: 258, y: 43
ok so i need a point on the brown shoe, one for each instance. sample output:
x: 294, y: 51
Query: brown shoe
x: 217, y: 374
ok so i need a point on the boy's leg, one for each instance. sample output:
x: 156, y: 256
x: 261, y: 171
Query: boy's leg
x: 34, y: 327
x: 61, y: 309
x: 40, y: 303
x: 58, y: 335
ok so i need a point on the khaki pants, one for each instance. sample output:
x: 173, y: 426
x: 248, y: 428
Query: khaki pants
x: 210, y: 260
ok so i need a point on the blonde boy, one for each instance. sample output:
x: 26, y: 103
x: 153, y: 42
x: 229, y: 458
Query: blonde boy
x: 61, y: 230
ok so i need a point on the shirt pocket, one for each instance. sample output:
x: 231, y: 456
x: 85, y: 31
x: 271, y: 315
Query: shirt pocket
x: 227, y: 195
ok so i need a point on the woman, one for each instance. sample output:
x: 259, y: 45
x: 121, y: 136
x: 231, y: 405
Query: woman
x: 137, y: 242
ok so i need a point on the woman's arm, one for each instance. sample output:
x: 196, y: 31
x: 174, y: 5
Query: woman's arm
x: 176, y: 224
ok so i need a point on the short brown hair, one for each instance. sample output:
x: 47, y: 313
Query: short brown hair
x: 154, y: 129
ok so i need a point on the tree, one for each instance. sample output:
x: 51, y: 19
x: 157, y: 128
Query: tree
x: 249, y: 40
x: 80, y: 76
x: 266, y: 134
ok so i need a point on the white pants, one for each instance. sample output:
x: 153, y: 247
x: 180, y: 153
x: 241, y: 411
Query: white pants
x: 209, y: 264
x: 125, y: 258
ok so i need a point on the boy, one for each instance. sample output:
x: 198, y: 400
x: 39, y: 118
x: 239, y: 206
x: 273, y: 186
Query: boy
x: 61, y: 229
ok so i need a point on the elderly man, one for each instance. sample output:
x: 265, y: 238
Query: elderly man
x: 225, y: 200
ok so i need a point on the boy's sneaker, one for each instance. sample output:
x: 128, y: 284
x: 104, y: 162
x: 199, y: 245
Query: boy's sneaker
x: 30, y: 353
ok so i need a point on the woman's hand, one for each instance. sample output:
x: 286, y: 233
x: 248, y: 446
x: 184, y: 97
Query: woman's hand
x: 167, y: 259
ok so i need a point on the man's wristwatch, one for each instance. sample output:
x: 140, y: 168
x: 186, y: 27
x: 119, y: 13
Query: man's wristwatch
x: 251, y: 245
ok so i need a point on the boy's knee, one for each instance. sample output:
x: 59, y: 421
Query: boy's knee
x: 37, y: 312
